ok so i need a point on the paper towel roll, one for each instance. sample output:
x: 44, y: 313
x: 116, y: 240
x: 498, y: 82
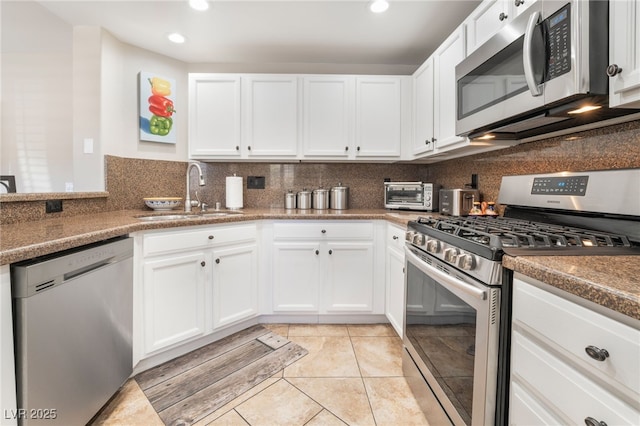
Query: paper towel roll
x: 234, y: 192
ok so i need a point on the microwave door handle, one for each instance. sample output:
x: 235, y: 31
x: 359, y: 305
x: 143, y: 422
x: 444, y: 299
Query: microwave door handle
x: 534, y: 88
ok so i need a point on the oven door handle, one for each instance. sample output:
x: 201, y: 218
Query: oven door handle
x: 442, y: 277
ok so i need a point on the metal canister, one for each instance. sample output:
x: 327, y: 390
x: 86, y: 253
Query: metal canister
x: 290, y: 200
x: 320, y: 199
x: 304, y: 199
x: 339, y: 199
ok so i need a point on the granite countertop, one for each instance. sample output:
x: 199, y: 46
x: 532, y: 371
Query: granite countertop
x: 26, y: 240
x: 610, y: 281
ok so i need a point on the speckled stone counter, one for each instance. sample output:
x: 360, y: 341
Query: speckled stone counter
x: 26, y: 240
x: 609, y: 281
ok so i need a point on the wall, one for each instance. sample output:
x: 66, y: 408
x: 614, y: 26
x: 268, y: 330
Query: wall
x: 613, y: 147
x: 36, y: 118
x: 62, y: 85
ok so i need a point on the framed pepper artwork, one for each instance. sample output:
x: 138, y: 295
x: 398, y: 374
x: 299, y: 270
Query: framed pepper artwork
x: 157, y: 111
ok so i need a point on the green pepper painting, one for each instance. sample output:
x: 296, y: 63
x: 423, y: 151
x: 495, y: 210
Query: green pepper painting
x: 157, y: 110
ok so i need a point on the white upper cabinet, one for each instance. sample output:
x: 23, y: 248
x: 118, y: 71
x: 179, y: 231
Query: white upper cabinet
x: 448, y: 55
x: 624, y: 54
x: 327, y: 119
x: 214, y: 115
x: 270, y: 116
x: 378, y: 116
x: 423, y: 133
x: 489, y: 17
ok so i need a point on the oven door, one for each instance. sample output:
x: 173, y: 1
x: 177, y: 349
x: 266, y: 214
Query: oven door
x: 451, y: 333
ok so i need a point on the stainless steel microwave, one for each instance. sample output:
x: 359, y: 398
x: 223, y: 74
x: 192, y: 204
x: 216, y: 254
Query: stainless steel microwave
x: 411, y: 196
x: 535, y: 74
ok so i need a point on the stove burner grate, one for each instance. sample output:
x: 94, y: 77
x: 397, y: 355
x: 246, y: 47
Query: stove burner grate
x: 501, y: 232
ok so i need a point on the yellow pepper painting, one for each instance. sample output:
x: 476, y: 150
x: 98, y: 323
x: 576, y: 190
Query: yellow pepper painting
x: 157, y: 108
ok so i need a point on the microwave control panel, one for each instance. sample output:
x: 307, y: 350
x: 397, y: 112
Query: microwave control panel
x: 558, y: 28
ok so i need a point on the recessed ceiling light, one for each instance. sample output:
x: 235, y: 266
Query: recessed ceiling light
x: 199, y: 4
x: 379, y: 6
x: 176, y: 38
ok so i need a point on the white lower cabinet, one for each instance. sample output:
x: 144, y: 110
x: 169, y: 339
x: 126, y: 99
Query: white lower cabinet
x: 325, y: 268
x: 570, y: 364
x: 394, y: 300
x: 8, y: 403
x: 191, y: 282
x: 175, y: 298
x: 235, y: 284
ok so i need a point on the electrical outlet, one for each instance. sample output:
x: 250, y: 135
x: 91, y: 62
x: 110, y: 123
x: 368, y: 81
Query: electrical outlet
x: 255, y: 182
x: 53, y: 206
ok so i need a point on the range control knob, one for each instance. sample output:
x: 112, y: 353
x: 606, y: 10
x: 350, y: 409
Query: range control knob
x: 467, y: 262
x: 433, y: 246
x: 418, y: 239
x: 450, y: 255
x: 409, y: 236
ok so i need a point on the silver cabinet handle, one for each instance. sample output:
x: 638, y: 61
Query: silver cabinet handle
x: 590, y: 421
x: 613, y: 69
x: 596, y: 353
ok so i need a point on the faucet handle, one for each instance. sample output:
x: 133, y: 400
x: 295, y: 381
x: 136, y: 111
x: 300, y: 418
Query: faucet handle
x: 203, y: 207
x: 196, y: 202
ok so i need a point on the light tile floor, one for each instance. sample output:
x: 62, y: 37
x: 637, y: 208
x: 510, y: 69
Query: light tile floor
x: 352, y: 375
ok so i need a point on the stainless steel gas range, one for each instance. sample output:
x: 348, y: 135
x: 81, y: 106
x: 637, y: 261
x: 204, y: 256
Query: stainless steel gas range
x: 458, y: 310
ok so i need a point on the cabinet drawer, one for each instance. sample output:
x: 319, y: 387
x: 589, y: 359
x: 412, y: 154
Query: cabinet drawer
x: 209, y: 236
x: 563, y: 388
x: 573, y: 328
x: 395, y: 236
x: 323, y: 230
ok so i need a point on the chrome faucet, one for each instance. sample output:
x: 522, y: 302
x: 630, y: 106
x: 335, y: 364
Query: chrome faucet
x: 187, y: 202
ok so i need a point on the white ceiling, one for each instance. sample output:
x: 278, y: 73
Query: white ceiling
x: 277, y: 32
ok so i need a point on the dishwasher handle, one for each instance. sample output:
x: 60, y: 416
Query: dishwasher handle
x: 29, y: 278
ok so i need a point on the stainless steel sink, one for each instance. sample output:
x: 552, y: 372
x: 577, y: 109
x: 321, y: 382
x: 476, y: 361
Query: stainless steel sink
x: 219, y: 214
x: 167, y: 217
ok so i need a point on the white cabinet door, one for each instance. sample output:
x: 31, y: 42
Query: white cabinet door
x: 378, y: 116
x: 448, y: 55
x: 270, y: 112
x: 7, y: 366
x: 485, y: 21
x: 423, y: 132
x: 327, y: 116
x: 349, y: 284
x: 296, y: 276
x: 624, y: 52
x: 395, y: 289
x: 174, y: 294
x: 235, y: 284
x: 214, y: 115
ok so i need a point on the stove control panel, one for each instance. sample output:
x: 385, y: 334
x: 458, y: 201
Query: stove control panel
x: 564, y: 185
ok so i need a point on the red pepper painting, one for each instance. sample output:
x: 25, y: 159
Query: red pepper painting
x: 156, y: 108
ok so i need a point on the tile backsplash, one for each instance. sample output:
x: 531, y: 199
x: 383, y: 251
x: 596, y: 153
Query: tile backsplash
x: 614, y: 147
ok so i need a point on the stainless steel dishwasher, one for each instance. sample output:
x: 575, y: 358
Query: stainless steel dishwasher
x: 73, y: 314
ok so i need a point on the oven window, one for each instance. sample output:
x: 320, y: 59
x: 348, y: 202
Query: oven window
x: 442, y: 328
x: 500, y: 78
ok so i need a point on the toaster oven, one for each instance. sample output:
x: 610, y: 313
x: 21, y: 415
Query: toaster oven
x: 411, y: 196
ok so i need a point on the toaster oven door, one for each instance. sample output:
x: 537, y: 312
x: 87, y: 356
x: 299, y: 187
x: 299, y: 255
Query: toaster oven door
x: 401, y: 196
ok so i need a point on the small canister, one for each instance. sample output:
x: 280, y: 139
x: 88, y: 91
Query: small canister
x: 339, y: 199
x: 304, y: 199
x: 320, y: 199
x: 290, y: 200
